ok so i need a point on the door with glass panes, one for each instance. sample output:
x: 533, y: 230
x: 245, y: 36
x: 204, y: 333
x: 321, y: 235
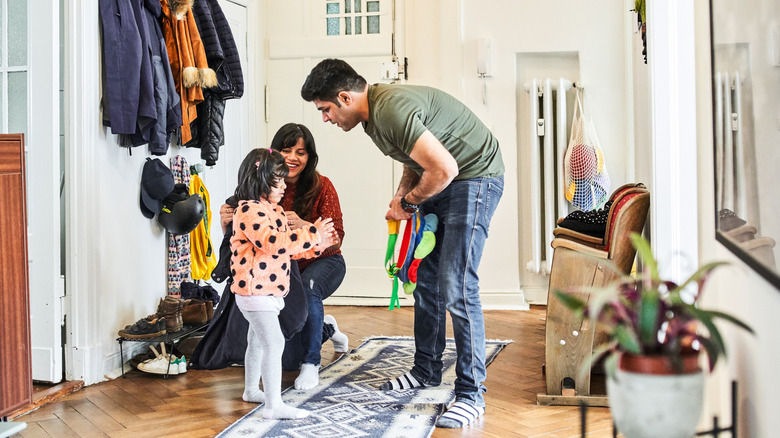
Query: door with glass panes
x: 360, y: 32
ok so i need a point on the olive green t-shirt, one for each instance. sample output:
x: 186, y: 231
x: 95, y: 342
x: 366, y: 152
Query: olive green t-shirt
x: 400, y: 114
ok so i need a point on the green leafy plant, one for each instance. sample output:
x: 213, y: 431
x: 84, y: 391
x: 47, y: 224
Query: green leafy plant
x: 639, y: 7
x: 645, y: 315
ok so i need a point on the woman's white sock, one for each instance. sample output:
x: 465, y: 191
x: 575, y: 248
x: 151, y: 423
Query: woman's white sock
x: 309, y: 376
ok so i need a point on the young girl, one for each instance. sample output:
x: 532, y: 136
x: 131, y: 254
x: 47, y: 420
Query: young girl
x: 262, y: 246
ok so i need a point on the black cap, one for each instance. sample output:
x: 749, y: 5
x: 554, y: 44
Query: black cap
x: 156, y: 183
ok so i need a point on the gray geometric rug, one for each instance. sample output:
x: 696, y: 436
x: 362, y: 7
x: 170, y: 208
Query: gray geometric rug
x: 348, y: 403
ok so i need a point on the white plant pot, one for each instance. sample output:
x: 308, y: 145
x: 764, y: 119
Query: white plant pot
x: 653, y: 406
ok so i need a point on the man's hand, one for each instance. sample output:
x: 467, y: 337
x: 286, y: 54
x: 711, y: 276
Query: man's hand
x: 439, y: 169
x: 396, y: 212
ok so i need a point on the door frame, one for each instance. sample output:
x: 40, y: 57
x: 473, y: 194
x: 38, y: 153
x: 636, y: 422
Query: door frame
x: 42, y: 147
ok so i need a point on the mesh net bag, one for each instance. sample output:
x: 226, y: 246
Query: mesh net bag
x: 587, y: 182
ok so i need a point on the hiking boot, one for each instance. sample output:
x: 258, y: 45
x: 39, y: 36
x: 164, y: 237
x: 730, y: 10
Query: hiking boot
x: 144, y: 328
x: 170, y: 308
x: 179, y: 317
x: 194, y: 312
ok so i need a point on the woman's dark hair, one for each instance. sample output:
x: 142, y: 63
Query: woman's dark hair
x: 308, y: 186
x: 330, y: 77
x: 257, y: 172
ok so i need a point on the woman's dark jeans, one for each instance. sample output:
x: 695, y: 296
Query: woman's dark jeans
x: 320, y: 280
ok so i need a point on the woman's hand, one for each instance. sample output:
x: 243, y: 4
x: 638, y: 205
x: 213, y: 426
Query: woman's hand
x: 294, y: 221
x: 336, y: 242
x: 225, y: 216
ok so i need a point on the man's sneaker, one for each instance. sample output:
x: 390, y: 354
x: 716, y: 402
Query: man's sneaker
x: 144, y: 328
x: 339, y: 339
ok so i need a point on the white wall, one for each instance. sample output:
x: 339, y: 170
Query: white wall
x: 752, y: 360
x: 441, y: 47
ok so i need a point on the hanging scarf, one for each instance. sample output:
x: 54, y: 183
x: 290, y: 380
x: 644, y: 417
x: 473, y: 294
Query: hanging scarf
x: 179, y: 244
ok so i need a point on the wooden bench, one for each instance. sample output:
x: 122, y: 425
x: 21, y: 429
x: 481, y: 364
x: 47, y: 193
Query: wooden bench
x: 579, y: 260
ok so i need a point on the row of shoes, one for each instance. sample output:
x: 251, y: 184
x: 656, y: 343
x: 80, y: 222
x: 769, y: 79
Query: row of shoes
x: 164, y: 363
x: 172, y: 315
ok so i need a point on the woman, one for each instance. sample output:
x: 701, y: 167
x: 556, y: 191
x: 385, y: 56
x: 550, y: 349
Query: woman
x: 309, y: 196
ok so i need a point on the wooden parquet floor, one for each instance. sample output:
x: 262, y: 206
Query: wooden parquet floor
x: 202, y: 403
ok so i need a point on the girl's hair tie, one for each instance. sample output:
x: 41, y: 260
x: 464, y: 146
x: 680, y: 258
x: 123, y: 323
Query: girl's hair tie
x: 257, y: 164
x: 271, y: 151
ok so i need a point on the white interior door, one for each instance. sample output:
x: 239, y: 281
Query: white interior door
x: 220, y: 179
x: 42, y: 142
x: 360, y: 32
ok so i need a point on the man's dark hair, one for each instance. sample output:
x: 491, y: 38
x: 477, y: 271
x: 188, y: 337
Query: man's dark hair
x: 330, y: 77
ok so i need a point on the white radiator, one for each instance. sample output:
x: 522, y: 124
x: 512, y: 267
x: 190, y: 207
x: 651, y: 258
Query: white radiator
x: 548, y: 139
x: 729, y: 151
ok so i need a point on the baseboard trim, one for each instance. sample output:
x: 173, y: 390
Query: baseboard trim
x: 490, y: 301
x: 536, y: 295
x: 46, y: 396
x: 111, y: 365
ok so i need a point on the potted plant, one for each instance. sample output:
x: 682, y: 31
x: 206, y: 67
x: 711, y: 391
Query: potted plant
x: 654, y: 336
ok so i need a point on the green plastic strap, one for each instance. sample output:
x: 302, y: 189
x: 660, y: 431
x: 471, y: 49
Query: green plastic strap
x: 394, y: 301
x: 390, y: 267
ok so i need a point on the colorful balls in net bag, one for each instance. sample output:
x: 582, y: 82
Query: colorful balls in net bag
x: 583, y: 162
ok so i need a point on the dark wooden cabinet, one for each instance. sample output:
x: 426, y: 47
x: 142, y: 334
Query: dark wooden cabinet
x: 15, y: 362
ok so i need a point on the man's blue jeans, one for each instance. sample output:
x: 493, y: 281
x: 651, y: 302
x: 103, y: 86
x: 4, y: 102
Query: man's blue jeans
x: 447, y: 279
x: 320, y: 279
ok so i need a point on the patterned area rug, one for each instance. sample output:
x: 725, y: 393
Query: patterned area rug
x: 347, y: 403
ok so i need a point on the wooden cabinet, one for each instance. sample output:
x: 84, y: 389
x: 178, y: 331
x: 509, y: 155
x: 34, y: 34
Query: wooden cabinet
x: 15, y: 362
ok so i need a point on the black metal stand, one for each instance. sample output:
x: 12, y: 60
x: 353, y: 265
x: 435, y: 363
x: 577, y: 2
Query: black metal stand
x: 169, y: 338
x: 715, y: 431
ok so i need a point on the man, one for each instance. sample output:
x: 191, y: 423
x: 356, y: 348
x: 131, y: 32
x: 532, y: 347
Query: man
x: 453, y: 168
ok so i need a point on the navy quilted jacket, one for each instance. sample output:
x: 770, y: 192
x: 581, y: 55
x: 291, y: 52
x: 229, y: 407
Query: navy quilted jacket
x: 222, y: 55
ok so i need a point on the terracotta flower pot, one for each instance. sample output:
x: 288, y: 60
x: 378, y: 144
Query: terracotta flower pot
x: 659, y: 365
x: 649, y: 398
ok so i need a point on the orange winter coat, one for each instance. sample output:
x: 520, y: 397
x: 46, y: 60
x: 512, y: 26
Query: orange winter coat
x: 188, y: 61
